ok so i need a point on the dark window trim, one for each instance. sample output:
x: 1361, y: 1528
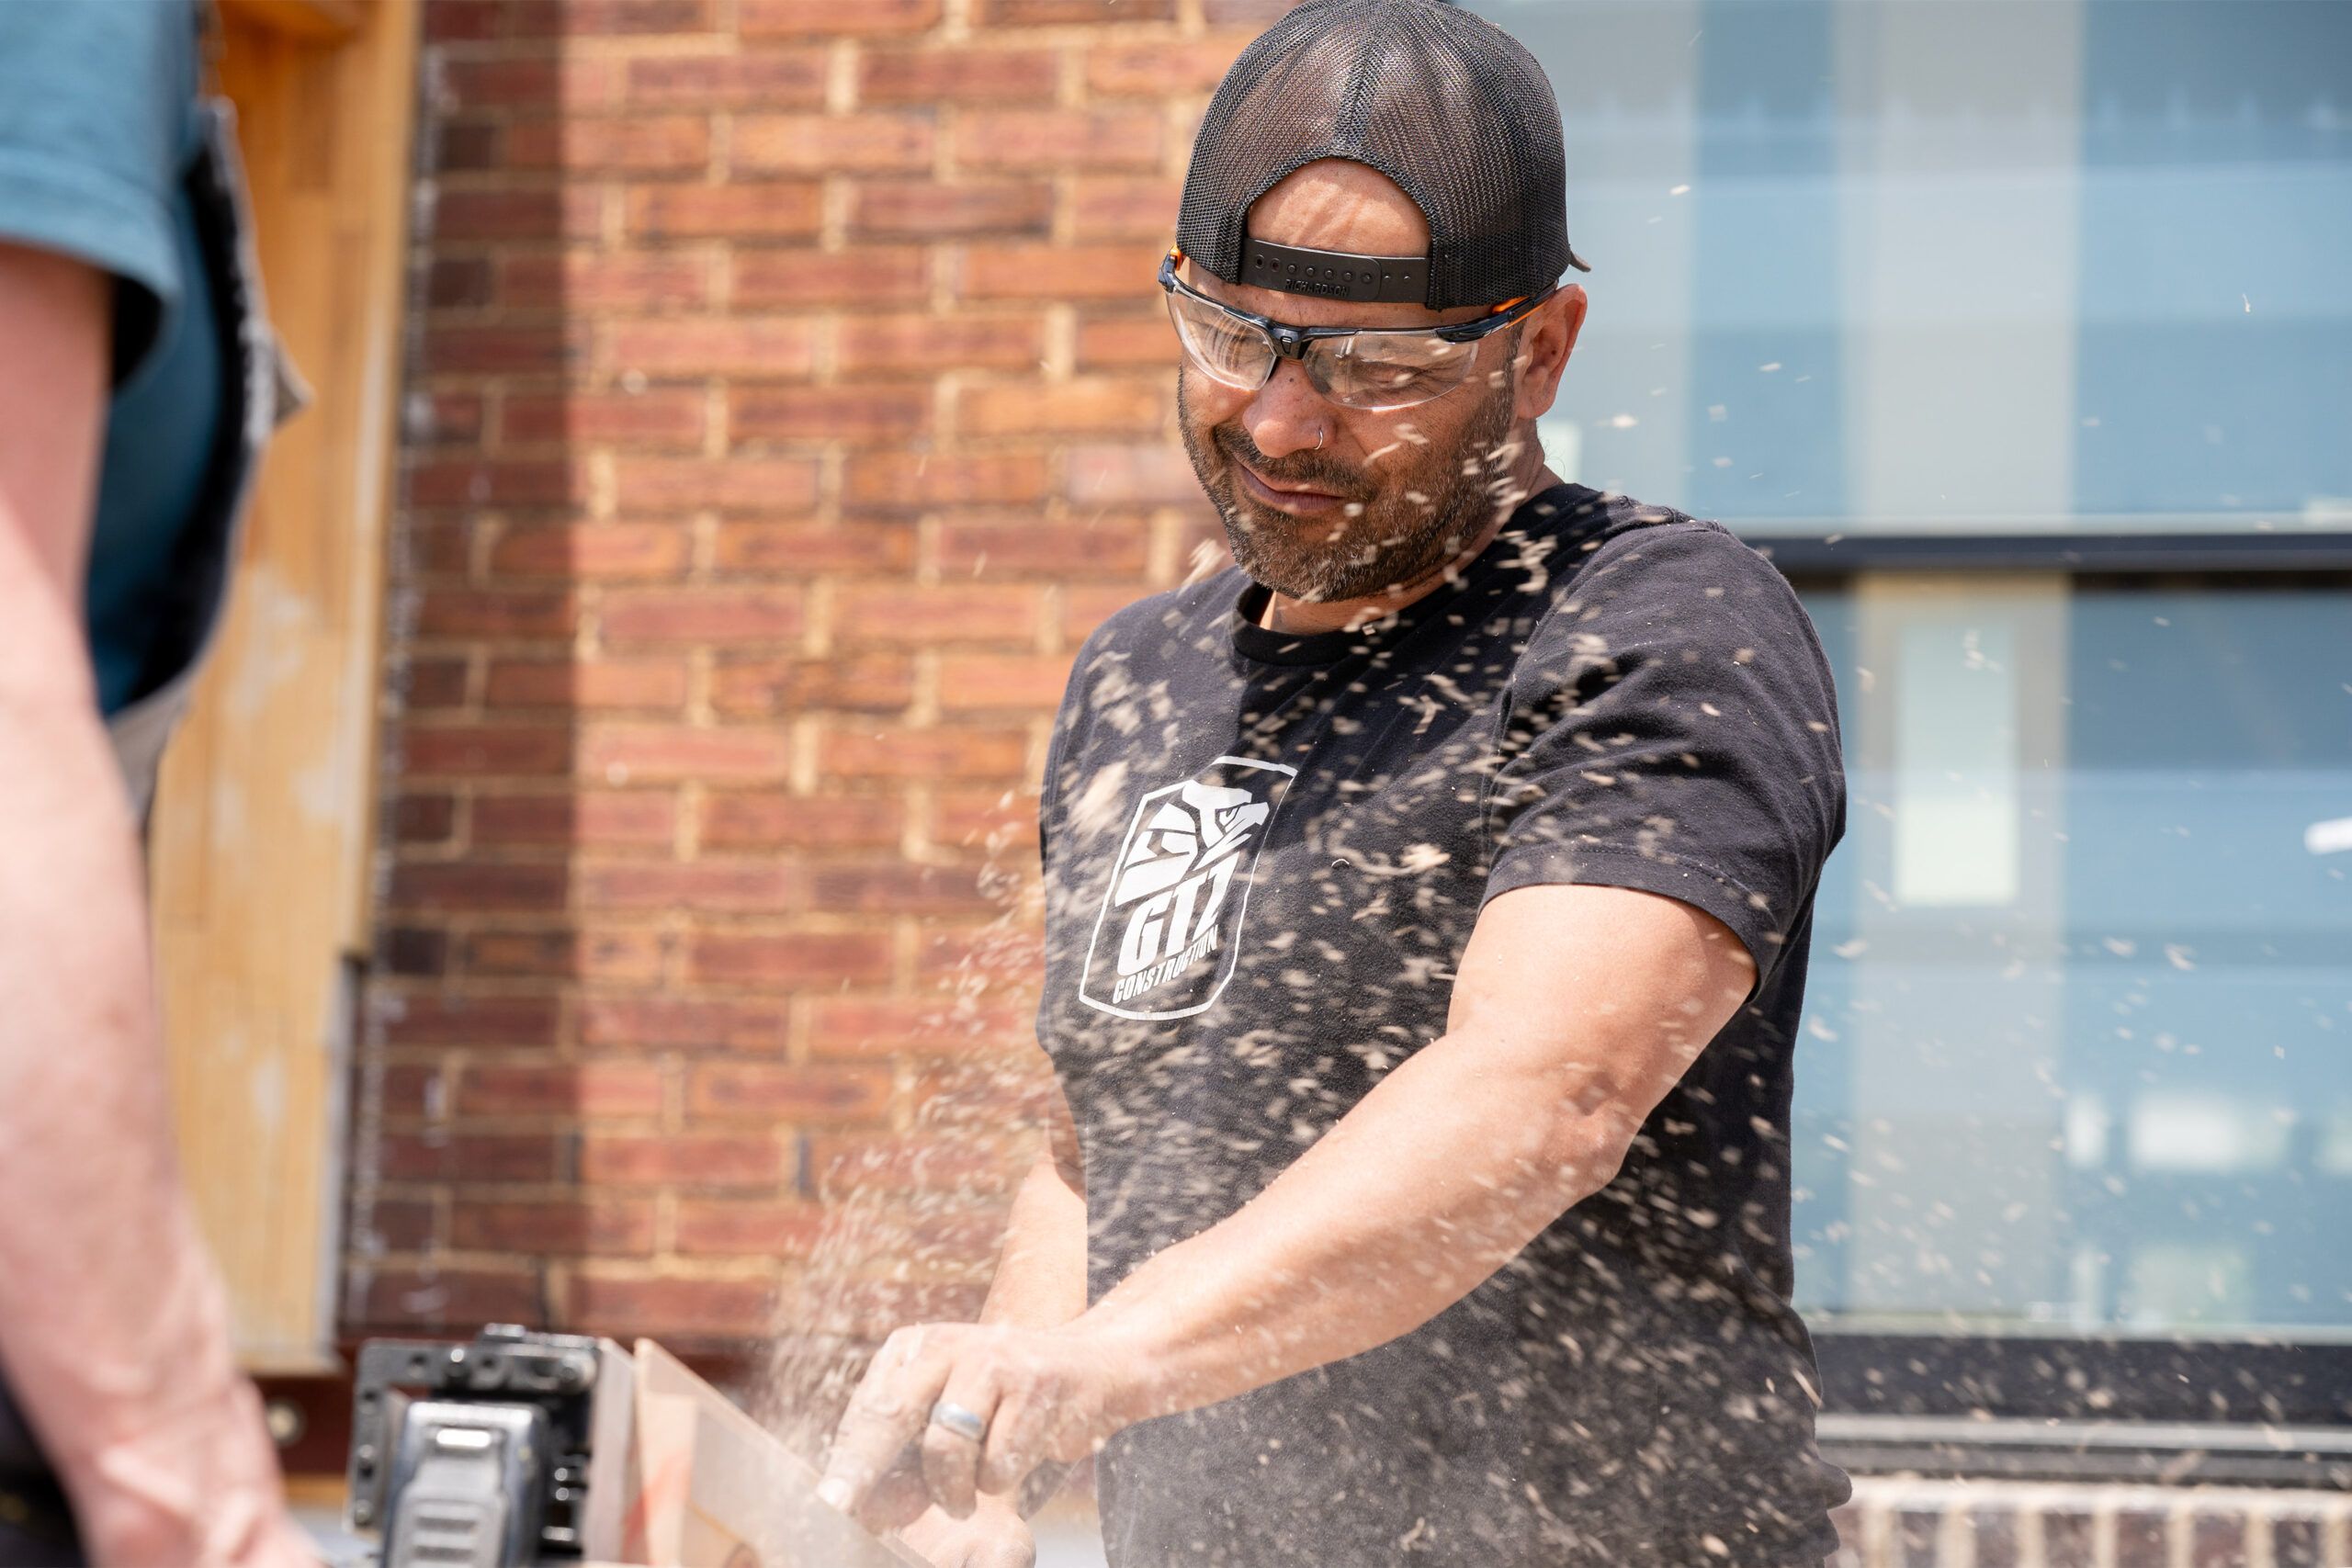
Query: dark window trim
x: 2088, y: 1408
x: 2053, y: 552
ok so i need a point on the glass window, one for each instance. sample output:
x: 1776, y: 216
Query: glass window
x: 2078, y: 1055
x: 1943, y: 267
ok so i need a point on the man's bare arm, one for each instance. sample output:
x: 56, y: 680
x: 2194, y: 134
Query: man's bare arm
x: 113, y: 1326
x: 1574, y: 1010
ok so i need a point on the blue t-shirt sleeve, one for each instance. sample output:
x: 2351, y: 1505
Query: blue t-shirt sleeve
x: 94, y: 100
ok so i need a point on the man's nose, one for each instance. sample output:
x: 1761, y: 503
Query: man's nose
x: 1288, y: 414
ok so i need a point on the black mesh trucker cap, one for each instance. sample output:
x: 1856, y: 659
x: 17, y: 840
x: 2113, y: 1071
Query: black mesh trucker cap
x: 1444, y: 103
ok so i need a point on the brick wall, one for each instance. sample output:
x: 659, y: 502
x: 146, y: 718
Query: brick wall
x: 788, y: 395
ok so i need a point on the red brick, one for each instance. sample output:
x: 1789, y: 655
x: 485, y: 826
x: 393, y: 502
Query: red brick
x: 787, y: 687
x: 892, y: 481
x: 790, y: 960
x: 1058, y: 138
x: 413, y: 1089
x: 466, y: 21
x: 1107, y: 544
x: 395, y: 1225
x: 862, y: 415
x: 423, y: 819
x: 599, y: 683
x: 567, y: 212
x: 973, y: 681
x: 693, y: 1023
x: 827, y: 1095
x: 874, y: 275
x: 476, y: 749
x: 573, y: 1225
x: 926, y: 753
x: 1157, y: 474
x: 580, y: 18
x: 1018, y: 13
x: 439, y: 1019
x: 470, y: 349
x: 1159, y: 68
x: 927, y: 616
x: 863, y: 1163
x: 676, y: 754
x: 926, y: 344
x: 778, y: 822
x: 770, y: 78
x: 668, y: 1304
x: 570, y: 83
x: 461, y: 282
x: 997, y: 955
x: 574, y: 280
x: 703, y: 615
x: 613, y: 955
x: 999, y: 820
x: 1123, y: 341
x: 1061, y: 272
x: 466, y: 1157
x: 958, y: 76
x: 806, y: 548
x: 735, y: 484
x: 434, y: 684
x: 1113, y: 207
x: 560, y: 1088
x: 413, y: 952
x: 781, y: 209
x: 607, y: 818
x: 916, y: 209
x: 1217, y: 11
x: 731, y: 345
x: 717, y: 1226
x: 1091, y: 407
x: 460, y: 1298
x: 601, y: 551
x: 688, y: 1159
x: 465, y: 481
x: 642, y: 145
x: 1085, y: 607
x: 750, y: 887
x: 468, y: 147
x: 441, y: 546
x: 472, y: 887
x: 895, y: 887
x: 834, y: 144
x: 757, y: 19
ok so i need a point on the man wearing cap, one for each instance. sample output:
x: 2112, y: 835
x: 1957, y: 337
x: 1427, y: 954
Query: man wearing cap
x: 1427, y: 905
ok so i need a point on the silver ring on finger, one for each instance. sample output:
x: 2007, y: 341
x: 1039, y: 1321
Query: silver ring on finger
x: 950, y: 1417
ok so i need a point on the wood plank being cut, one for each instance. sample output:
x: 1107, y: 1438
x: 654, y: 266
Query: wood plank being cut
x: 705, y: 1486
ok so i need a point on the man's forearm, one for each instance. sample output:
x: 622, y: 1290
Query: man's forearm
x: 1041, y: 1271
x: 1433, y: 1182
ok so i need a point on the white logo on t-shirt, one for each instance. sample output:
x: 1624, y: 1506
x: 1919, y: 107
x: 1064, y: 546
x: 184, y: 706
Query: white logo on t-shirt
x: 1168, y: 937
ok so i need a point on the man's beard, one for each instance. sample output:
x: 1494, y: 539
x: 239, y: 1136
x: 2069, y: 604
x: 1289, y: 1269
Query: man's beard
x: 1422, y: 508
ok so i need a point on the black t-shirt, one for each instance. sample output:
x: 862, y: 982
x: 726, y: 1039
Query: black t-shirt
x: 1264, y: 854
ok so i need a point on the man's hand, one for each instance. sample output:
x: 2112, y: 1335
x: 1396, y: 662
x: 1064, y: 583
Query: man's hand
x: 996, y: 1536
x: 1043, y: 1394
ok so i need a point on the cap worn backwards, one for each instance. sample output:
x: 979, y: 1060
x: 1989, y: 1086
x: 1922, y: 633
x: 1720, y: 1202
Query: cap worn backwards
x: 1444, y: 103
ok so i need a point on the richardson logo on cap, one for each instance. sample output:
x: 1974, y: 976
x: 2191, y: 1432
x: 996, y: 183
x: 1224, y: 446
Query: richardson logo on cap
x: 1169, y: 932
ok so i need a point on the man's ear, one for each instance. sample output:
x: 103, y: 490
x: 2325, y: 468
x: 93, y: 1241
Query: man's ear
x: 1546, y: 338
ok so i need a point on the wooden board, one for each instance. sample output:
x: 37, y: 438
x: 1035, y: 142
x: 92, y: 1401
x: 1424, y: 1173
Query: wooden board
x: 262, y: 837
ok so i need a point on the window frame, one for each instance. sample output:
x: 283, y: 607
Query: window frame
x: 2268, y: 1410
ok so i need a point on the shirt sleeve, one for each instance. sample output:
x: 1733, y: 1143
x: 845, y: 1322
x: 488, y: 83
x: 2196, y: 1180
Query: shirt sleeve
x: 95, y: 117
x: 1673, y: 728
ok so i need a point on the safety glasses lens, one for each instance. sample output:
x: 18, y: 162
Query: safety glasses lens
x: 1228, y: 350
x: 1373, y: 370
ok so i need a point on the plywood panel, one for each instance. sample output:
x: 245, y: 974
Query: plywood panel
x: 262, y: 835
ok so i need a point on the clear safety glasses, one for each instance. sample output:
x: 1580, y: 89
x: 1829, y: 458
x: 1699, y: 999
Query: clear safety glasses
x: 1357, y: 368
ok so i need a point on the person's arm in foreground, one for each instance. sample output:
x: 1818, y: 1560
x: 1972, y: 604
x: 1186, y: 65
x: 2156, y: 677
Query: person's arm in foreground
x: 1040, y: 1283
x: 1575, y: 1009
x: 113, y: 1325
